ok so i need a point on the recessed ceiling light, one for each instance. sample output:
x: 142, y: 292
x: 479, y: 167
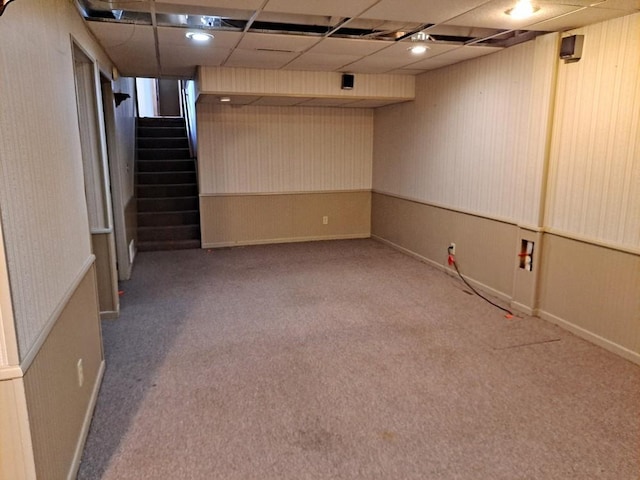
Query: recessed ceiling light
x: 199, y: 36
x: 418, y: 49
x: 522, y: 9
x: 225, y: 99
x: 419, y: 43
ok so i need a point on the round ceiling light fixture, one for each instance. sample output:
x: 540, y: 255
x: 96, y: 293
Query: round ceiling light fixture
x: 522, y: 9
x: 419, y: 43
x: 200, y: 37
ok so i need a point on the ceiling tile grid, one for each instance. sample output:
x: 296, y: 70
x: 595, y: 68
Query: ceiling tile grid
x: 355, y: 36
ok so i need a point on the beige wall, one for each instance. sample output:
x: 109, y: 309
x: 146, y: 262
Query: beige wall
x: 593, y: 291
x: 506, y: 138
x: 475, y: 137
x: 122, y: 172
x: 44, y: 212
x: 594, y: 183
x: 312, y: 84
x: 317, y: 160
x: 16, y: 454
x: 283, y: 149
x: 59, y: 408
x: 52, y: 310
x: 104, y: 248
x: 251, y: 219
x: 484, y: 247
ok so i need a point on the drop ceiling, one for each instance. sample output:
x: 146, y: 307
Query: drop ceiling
x: 146, y: 38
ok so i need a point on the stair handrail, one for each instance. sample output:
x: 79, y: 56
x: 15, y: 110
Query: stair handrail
x: 184, y: 98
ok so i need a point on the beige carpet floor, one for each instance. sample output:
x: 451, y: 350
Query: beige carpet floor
x: 347, y: 360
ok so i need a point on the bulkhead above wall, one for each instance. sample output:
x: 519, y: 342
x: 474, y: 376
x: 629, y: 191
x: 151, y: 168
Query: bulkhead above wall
x: 248, y: 86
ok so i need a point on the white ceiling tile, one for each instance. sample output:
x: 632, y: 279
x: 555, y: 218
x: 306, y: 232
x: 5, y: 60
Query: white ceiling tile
x: 318, y: 62
x: 433, y: 11
x: 620, y: 4
x: 182, y: 57
x: 176, y: 36
x: 378, y: 64
x: 454, y: 56
x: 259, y: 41
x: 131, y: 47
x: 407, y: 71
x: 256, y: 59
x: 583, y: 17
x: 492, y: 15
x: 346, y: 46
x: 332, y: 8
x: 184, y: 72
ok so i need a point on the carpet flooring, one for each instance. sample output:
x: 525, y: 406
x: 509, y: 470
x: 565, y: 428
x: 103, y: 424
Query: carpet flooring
x: 346, y: 360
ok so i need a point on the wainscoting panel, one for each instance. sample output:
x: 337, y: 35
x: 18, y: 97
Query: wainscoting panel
x: 485, y: 248
x: 229, y: 220
x: 104, y: 251
x: 59, y: 407
x: 594, y: 292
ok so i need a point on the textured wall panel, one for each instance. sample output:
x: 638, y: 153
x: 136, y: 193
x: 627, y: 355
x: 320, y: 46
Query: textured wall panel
x: 57, y: 404
x: 594, y: 189
x: 475, y: 137
x: 283, y: 149
x: 44, y: 211
x: 251, y: 81
x: 252, y: 219
x: 594, y: 291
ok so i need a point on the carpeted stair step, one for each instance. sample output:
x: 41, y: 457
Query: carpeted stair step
x: 146, y: 132
x: 165, y: 178
x: 171, y: 204
x: 161, y: 122
x: 160, y: 219
x: 180, y: 232
x: 168, y: 245
x: 170, y: 190
x: 163, y: 153
x: 147, y: 166
x: 163, y: 142
x: 166, y: 186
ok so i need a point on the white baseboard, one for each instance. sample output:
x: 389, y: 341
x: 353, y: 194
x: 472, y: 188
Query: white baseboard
x: 476, y: 284
x: 88, y: 416
x: 521, y: 307
x: 592, y: 337
x: 268, y: 241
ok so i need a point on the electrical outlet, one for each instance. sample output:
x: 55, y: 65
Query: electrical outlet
x: 325, y: 220
x: 452, y: 248
x: 80, y: 369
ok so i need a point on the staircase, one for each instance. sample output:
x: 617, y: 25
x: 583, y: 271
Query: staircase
x: 166, y: 186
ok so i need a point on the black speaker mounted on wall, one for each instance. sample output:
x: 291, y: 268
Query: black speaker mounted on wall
x: 347, y: 81
x: 571, y: 48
